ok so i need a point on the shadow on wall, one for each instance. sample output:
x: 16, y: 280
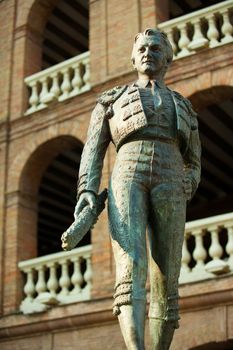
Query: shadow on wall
x: 227, y: 345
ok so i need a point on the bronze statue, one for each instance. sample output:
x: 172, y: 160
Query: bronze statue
x: 157, y: 170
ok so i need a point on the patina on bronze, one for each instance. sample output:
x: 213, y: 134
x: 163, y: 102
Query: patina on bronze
x: 83, y: 222
x: 157, y: 170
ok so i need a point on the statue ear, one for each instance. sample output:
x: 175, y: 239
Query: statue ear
x: 136, y: 37
x: 133, y: 61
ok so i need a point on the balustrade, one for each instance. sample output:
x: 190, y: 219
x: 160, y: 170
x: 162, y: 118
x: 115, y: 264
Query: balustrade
x: 59, y: 82
x: 58, y: 278
x: 66, y: 277
x: 209, y: 27
x: 207, y: 249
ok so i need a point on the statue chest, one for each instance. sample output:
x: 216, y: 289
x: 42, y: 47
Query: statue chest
x: 140, y: 109
x: 159, y: 109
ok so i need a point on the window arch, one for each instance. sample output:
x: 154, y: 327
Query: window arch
x: 66, y: 32
x: 57, y: 199
x: 48, y: 185
x: 215, y: 192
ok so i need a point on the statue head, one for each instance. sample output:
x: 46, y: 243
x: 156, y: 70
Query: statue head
x: 152, y: 53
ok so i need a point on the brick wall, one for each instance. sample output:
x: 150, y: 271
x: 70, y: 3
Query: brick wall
x: 7, y: 13
x: 111, y: 37
x: 113, y: 25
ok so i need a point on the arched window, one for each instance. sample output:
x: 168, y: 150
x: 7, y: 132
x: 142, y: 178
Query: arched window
x: 62, y: 42
x: 215, y: 193
x: 66, y: 32
x: 57, y: 199
x: 49, y: 183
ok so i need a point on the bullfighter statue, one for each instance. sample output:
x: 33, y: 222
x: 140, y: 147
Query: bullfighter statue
x: 157, y: 170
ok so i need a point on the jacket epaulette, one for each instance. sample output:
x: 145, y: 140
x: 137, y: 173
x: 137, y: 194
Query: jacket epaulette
x: 110, y: 96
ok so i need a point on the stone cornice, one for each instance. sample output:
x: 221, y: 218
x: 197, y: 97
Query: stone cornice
x: 94, y: 312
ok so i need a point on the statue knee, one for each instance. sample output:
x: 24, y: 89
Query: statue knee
x: 166, y: 310
x: 131, y: 284
x: 128, y: 290
x: 122, y: 295
x: 172, y: 312
x: 163, y: 322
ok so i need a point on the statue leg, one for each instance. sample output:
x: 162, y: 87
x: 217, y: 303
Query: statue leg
x: 128, y: 219
x: 166, y: 232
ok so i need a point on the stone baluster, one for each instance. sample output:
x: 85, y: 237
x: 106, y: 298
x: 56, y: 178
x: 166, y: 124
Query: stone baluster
x: 199, y: 253
x: 34, y: 98
x: 41, y: 285
x: 55, y: 89
x: 29, y: 288
x: 198, y: 40
x: 77, y: 81
x: 86, y: 77
x: 215, y: 251
x: 170, y: 35
x: 88, y: 274
x: 52, y: 283
x: 60, y: 82
x: 227, y: 28
x: 66, y: 84
x: 64, y: 281
x: 53, y: 290
x: 212, y: 33
x: 186, y: 257
x: 77, y: 277
x: 229, y: 246
x: 44, y: 95
x: 184, y: 41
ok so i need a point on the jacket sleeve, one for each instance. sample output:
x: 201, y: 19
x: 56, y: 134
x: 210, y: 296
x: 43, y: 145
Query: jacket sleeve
x: 98, y: 138
x: 192, y: 156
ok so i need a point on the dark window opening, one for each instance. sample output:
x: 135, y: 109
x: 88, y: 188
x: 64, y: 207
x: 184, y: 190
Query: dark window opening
x: 66, y: 32
x: 226, y: 345
x: 57, y: 199
x: 179, y: 8
x: 215, y: 193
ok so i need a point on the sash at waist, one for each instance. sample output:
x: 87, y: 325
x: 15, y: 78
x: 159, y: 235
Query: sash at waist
x: 142, y: 137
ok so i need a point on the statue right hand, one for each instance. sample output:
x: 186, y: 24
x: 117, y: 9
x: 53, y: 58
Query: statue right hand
x: 86, y: 198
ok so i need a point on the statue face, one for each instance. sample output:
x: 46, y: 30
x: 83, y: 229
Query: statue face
x: 149, y: 55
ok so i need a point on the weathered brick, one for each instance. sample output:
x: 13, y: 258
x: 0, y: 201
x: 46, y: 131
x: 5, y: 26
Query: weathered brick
x: 28, y: 144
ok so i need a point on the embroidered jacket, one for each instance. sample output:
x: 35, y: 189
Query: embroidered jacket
x: 118, y: 114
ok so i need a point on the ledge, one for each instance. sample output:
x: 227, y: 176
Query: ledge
x: 99, y: 311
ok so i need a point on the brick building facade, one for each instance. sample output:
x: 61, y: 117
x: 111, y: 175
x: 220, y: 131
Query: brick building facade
x: 54, y: 300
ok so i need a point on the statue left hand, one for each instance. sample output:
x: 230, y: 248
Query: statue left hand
x: 86, y: 198
x: 86, y: 213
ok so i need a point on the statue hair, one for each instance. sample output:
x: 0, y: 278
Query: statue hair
x: 163, y: 36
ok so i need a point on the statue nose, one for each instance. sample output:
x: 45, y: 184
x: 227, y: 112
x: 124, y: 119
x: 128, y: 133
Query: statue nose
x: 147, y: 52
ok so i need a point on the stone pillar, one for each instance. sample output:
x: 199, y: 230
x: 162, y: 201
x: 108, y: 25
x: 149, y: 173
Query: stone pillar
x: 20, y: 243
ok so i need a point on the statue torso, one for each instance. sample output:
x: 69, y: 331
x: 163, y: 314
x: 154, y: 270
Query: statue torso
x: 132, y: 112
x: 160, y: 113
